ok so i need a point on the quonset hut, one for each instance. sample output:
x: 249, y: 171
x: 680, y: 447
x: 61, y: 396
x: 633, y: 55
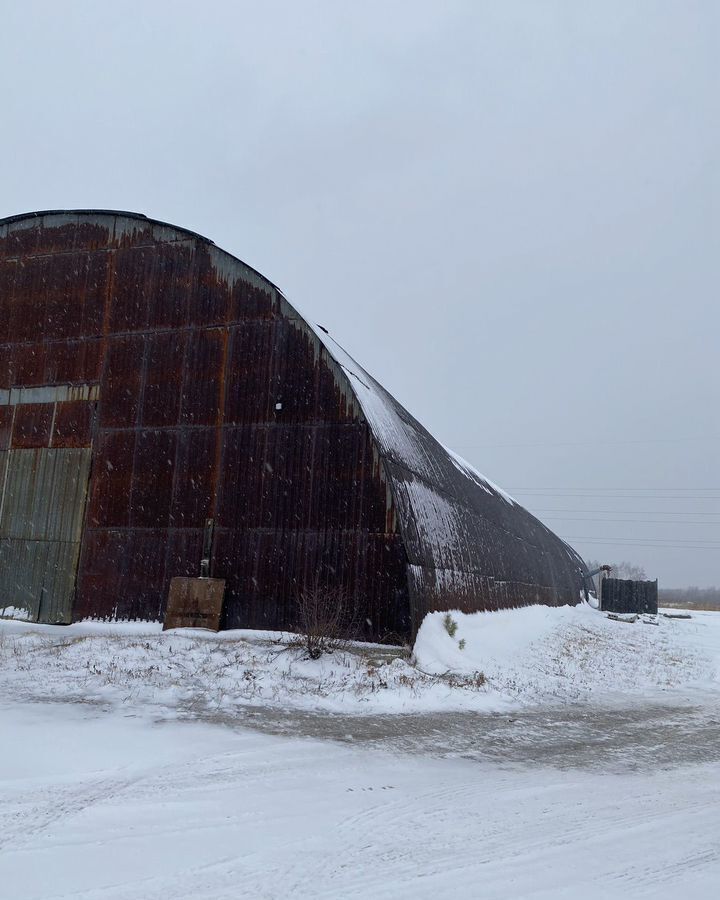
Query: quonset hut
x: 151, y: 382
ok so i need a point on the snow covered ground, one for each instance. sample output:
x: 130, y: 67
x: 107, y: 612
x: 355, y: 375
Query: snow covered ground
x: 584, y: 763
x: 101, y: 807
x: 493, y: 662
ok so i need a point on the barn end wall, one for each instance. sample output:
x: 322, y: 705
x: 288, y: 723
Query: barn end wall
x: 216, y: 401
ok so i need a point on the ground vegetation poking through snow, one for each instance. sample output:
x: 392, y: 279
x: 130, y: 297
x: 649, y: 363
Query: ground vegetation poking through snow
x: 192, y: 670
x: 491, y: 661
x: 547, y: 654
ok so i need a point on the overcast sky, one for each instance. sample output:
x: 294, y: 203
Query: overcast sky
x: 507, y: 212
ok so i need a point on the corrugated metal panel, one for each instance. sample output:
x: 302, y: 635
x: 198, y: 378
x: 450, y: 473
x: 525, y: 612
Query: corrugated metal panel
x: 48, y: 393
x: 622, y: 595
x: 469, y: 544
x: 41, y: 514
x: 218, y: 400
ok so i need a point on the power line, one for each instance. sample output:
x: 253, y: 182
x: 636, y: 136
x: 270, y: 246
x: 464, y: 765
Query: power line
x: 629, y: 512
x: 682, y: 440
x: 657, y: 487
x: 675, y: 542
x: 533, y: 494
x: 633, y: 521
x: 621, y: 543
x: 653, y: 539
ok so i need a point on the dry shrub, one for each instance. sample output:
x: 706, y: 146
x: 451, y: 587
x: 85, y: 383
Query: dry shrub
x: 326, y: 620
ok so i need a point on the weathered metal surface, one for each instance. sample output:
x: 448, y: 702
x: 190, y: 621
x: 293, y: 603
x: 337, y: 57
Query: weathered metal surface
x: 469, y: 545
x: 212, y: 405
x: 195, y: 603
x: 217, y: 400
x: 621, y: 595
x: 42, y: 503
x: 48, y: 393
x: 45, y: 431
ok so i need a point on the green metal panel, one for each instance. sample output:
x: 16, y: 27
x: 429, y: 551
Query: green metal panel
x: 42, y: 505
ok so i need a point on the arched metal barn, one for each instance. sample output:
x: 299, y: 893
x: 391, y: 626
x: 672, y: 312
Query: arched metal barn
x: 150, y: 382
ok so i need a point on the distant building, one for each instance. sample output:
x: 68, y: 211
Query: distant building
x: 150, y: 382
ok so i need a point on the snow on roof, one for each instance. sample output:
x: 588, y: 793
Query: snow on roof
x: 401, y: 436
x: 466, y: 538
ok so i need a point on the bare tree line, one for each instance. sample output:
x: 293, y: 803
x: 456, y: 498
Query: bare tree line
x: 622, y: 569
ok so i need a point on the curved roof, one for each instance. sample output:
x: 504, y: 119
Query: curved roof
x: 469, y: 544
x: 113, y: 213
x: 466, y: 538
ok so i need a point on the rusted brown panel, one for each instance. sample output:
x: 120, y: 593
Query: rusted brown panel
x: 250, y: 394
x: 5, y: 366
x: 346, y: 489
x: 384, y: 596
x: 72, y: 362
x: 211, y: 299
x: 194, y: 603
x: 61, y: 314
x: 133, y: 233
x: 7, y: 283
x: 65, y: 288
x: 285, y: 477
x: 32, y: 425
x: 6, y: 418
x: 298, y: 504
x: 122, y: 574
x: 152, y: 479
x: 133, y: 288
x: 59, y: 237
x: 121, y: 381
x: 60, y: 232
x: 6, y: 351
x: 163, y: 378
x: 75, y: 290
x: 194, y: 486
x: 91, y: 233
x: 90, y: 362
x: 27, y: 303
x: 293, y: 477
x: 258, y: 565
x: 112, y: 479
x: 22, y: 238
x: 146, y: 584
x: 28, y: 363
x: 184, y: 551
x: 241, y: 489
x: 297, y: 381
x: 249, y: 301
x: 95, y: 293
x: 270, y: 363
x: 172, y: 292
x: 267, y: 572
x: 96, y: 579
x: 73, y: 424
x: 204, y: 359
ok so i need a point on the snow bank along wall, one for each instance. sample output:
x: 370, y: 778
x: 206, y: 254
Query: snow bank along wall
x: 150, y: 381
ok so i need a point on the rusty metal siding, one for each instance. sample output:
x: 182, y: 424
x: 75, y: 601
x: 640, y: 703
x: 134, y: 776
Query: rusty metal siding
x: 469, y: 545
x: 218, y: 400
x: 212, y: 404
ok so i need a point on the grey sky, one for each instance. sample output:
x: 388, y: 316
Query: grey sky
x: 507, y: 212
